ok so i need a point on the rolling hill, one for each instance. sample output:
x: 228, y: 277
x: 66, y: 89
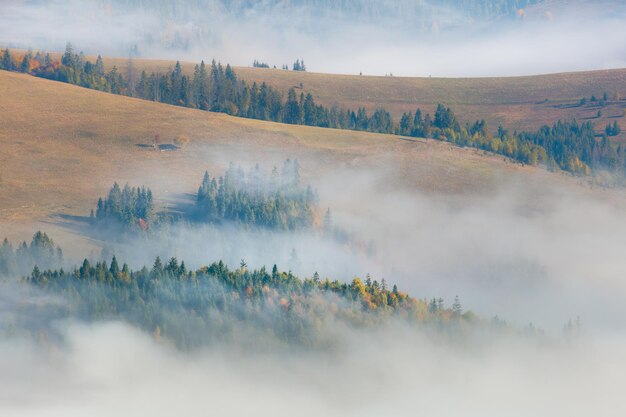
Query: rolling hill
x: 63, y: 146
x: 518, y: 103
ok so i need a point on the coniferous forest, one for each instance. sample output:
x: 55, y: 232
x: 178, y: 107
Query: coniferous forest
x: 212, y: 304
x: 127, y: 207
x: 566, y: 145
x: 215, y: 304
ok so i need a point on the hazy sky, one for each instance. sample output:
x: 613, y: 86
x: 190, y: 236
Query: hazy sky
x: 566, y: 36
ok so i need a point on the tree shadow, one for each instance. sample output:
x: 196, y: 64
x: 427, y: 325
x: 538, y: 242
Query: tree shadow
x: 164, y: 147
x: 176, y: 207
x: 84, y: 226
x: 182, y: 204
x: 566, y: 106
x: 77, y: 224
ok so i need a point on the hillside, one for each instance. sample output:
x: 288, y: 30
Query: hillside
x: 523, y: 103
x: 516, y: 103
x: 63, y: 146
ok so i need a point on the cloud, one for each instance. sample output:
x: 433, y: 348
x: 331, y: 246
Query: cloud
x: 525, y: 251
x: 110, y: 368
x: 578, y: 37
x: 528, y: 252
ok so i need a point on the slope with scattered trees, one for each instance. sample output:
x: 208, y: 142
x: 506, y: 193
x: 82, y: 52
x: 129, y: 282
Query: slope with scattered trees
x: 217, y: 88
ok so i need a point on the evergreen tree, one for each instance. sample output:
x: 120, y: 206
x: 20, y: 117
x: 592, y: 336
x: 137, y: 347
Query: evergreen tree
x: 68, y: 58
x: 292, y: 108
x: 8, y: 62
x: 457, y: 309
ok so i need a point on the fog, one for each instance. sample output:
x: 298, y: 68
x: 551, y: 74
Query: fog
x: 378, y: 37
x: 110, y: 368
x: 527, y: 253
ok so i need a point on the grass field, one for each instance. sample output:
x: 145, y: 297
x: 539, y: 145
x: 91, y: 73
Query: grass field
x: 62, y: 146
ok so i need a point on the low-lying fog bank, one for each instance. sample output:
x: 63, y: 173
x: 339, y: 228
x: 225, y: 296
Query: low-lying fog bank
x: 540, y: 255
x: 110, y: 368
x: 526, y: 254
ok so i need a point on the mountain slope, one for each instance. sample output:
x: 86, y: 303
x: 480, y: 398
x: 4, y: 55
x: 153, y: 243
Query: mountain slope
x: 516, y: 103
x: 522, y: 103
x: 62, y: 146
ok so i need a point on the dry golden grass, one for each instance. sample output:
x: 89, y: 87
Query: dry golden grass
x: 181, y: 140
x: 518, y: 103
x: 62, y: 146
x: 513, y: 102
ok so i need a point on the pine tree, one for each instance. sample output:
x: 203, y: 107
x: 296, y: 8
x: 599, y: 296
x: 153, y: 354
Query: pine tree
x: 328, y: 222
x: 25, y: 66
x: 68, y: 57
x: 406, y: 124
x: 115, y: 268
x: 292, y: 108
x: 8, y: 62
x: 99, y: 67
x: 457, y: 309
x: 310, y: 116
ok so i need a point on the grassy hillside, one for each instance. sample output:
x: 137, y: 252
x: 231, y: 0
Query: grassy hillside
x: 517, y: 103
x: 63, y: 146
x: 514, y: 102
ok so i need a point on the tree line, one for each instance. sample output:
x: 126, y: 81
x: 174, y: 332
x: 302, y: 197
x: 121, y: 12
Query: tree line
x: 567, y: 145
x: 298, y: 65
x: 215, y: 304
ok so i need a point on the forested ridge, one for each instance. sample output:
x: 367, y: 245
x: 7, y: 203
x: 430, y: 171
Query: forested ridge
x: 213, y: 304
x: 566, y: 145
x: 216, y: 304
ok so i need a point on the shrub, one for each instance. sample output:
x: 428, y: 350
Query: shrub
x: 181, y: 140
